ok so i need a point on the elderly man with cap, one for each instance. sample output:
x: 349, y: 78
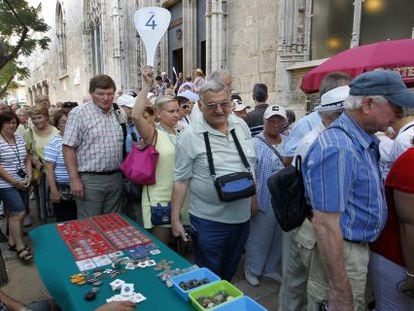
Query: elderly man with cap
x: 264, y: 244
x: 344, y: 187
x: 239, y: 109
x: 296, y: 243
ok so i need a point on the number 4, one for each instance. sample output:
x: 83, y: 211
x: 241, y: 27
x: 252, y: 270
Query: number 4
x: 151, y: 22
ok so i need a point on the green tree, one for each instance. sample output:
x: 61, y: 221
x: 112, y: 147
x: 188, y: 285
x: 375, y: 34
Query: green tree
x: 21, y: 33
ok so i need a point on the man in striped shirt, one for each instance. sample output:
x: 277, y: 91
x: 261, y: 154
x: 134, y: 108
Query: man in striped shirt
x: 92, y: 150
x: 344, y: 187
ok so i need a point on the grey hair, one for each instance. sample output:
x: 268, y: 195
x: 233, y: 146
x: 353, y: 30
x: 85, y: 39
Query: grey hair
x: 355, y: 102
x: 218, y: 74
x: 214, y: 86
x: 407, y: 112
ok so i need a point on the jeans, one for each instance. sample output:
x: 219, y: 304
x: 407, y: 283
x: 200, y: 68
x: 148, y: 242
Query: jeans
x: 14, y: 200
x: 218, y: 246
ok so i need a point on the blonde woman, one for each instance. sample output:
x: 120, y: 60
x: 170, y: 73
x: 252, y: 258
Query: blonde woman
x: 36, y: 139
x: 157, y: 197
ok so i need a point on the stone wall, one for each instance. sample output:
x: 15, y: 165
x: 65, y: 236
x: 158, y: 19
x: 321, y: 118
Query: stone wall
x: 252, y: 45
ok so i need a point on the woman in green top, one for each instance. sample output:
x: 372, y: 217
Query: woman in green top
x: 36, y: 139
x: 164, y: 135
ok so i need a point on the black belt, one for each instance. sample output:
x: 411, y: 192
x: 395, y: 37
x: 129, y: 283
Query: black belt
x: 101, y: 173
x: 356, y: 242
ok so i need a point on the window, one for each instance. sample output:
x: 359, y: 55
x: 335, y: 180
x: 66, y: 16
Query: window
x: 93, y: 29
x: 61, y: 38
x: 332, y: 23
x: 386, y: 20
x: 331, y: 27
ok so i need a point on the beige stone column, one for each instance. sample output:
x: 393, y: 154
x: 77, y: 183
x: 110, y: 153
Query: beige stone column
x: 357, y: 23
x: 215, y: 36
x: 189, y: 36
x: 208, y: 36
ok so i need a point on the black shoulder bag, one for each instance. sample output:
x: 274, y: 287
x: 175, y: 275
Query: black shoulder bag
x: 234, y: 186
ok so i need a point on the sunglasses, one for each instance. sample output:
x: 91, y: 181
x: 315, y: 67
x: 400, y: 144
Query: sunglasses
x: 185, y: 106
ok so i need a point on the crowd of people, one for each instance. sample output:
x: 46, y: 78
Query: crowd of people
x: 356, y: 148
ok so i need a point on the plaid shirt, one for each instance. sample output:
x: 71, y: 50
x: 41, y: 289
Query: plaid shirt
x: 96, y: 136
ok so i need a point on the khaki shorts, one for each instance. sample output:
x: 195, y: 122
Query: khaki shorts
x: 356, y: 258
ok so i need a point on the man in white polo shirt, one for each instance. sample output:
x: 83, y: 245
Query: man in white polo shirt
x: 219, y: 229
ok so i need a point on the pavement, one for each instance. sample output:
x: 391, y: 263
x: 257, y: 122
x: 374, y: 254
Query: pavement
x: 26, y: 285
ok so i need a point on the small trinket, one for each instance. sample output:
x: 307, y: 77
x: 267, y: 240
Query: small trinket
x: 89, y: 296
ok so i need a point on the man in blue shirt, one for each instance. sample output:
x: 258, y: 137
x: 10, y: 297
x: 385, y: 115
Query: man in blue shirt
x: 344, y: 187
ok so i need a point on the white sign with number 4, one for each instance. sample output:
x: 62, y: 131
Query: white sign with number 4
x: 151, y: 24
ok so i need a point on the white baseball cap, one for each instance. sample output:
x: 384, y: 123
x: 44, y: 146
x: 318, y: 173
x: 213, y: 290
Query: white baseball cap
x: 238, y: 105
x: 126, y: 100
x: 274, y: 110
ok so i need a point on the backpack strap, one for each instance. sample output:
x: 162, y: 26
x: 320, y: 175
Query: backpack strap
x: 123, y: 126
x: 272, y: 148
x: 339, y: 128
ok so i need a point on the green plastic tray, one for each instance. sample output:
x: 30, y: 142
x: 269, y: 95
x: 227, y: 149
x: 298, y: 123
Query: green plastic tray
x: 211, y: 290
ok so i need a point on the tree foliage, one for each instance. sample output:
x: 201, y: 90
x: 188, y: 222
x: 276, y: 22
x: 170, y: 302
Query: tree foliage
x: 21, y: 32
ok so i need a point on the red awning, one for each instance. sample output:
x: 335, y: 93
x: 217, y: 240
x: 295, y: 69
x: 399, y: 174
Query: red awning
x: 396, y: 55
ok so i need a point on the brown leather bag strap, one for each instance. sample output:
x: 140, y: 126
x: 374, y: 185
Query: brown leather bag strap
x: 155, y: 137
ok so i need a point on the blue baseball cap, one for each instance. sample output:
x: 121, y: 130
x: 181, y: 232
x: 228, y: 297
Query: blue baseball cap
x: 386, y: 83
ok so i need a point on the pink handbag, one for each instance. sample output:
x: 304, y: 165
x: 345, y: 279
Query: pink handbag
x: 140, y: 164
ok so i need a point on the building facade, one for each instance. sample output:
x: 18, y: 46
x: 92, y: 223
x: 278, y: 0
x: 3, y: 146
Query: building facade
x: 269, y: 41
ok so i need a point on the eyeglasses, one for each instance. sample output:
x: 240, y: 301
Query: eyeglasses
x: 185, y: 106
x: 214, y: 106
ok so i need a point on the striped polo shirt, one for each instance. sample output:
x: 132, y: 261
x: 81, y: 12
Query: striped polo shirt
x: 341, y: 174
x: 9, y: 155
x: 54, y: 154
